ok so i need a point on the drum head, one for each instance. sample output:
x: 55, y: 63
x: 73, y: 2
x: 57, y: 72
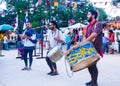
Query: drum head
x: 53, y: 51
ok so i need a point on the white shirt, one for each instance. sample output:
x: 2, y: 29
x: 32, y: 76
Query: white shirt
x: 26, y: 42
x: 80, y: 33
x: 5, y: 39
x: 106, y: 33
x: 52, y: 35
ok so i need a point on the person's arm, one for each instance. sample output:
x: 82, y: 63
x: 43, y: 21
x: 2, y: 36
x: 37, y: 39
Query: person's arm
x: 59, y: 39
x: 91, y: 37
x: 23, y: 35
x: 48, y: 45
x: 97, y: 31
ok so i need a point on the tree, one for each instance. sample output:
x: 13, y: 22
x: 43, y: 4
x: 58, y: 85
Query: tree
x: 116, y: 3
x: 102, y: 14
x: 19, y: 7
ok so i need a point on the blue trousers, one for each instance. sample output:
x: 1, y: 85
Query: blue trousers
x: 68, y: 46
x: 30, y: 52
x: 19, y: 44
x: 105, y: 47
x: 6, y: 46
x: 80, y: 38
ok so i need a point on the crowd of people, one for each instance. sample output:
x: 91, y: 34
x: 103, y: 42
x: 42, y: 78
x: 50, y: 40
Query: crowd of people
x: 110, y: 39
x: 103, y: 38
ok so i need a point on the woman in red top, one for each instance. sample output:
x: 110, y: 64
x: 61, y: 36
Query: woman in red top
x: 112, y: 41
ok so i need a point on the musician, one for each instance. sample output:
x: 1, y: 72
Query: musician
x: 55, y: 38
x: 94, y: 34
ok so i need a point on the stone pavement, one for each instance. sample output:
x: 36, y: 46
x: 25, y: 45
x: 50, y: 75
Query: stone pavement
x: 11, y: 74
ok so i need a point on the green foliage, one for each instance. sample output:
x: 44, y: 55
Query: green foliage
x: 21, y: 6
x: 62, y: 13
x: 103, y: 15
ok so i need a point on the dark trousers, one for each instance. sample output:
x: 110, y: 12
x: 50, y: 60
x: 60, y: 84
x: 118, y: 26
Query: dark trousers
x: 119, y: 48
x: 94, y: 73
x: 30, y: 52
x: 51, y: 64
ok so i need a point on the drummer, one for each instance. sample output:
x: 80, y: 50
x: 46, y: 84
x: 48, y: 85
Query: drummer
x: 94, y: 34
x: 55, y: 38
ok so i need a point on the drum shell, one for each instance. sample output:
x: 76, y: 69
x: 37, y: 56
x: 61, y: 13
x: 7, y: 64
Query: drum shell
x: 78, y: 61
x: 55, y: 54
x: 85, y: 63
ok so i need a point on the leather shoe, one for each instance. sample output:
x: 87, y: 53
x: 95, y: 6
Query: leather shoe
x: 91, y: 84
x: 88, y: 83
x: 53, y: 74
x: 50, y: 73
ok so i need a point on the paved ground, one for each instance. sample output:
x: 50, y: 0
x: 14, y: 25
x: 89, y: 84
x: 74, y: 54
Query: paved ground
x: 11, y: 74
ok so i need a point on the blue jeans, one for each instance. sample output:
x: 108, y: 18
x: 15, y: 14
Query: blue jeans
x: 6, y: 46
x: 105, y: 47
x: 68, y: 46
x: 30, y: 52
x: 19, y: 44
x: 81, y: 38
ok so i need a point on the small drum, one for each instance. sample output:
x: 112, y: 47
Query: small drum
x: 55, y: 54
x: 81, y: 56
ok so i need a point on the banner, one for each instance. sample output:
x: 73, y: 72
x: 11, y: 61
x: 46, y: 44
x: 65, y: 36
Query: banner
x: 16, y: 23
x: 26, y: 20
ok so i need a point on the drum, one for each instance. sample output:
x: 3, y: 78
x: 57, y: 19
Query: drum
x: 55, y: 54
x: 81, y: 56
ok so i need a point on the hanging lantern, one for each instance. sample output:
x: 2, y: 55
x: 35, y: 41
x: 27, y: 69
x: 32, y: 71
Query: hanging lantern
x: 75, y: 5
x: 56, y: 4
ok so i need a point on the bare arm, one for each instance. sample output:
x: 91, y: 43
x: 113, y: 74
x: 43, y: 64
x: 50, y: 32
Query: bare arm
x: 58, y: 40
x: 48, y: 45
x: 91, y: 37
x: 97, y: 31
x: 25, y: 36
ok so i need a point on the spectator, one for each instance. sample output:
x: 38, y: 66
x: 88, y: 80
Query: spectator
x: 5, y: 42
x: 112, y: 41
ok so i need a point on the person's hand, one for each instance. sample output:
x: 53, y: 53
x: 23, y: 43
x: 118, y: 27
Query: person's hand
x: 56, y: 39
x: 25, y: 36
x: 48, y: 48
x: 28, y: 37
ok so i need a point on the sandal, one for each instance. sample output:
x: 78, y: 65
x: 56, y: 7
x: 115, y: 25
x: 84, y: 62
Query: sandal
x: 25, y: 68
x: 29, y: 68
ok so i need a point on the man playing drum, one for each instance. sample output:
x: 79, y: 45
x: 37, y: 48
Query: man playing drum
x: 55, y: 38
x: 94, y: 34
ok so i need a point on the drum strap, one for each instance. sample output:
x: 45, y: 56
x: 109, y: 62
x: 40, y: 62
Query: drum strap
x: 69, y: 75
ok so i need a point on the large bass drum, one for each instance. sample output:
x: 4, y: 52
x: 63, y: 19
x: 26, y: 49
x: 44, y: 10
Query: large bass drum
x: 81, y: 56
